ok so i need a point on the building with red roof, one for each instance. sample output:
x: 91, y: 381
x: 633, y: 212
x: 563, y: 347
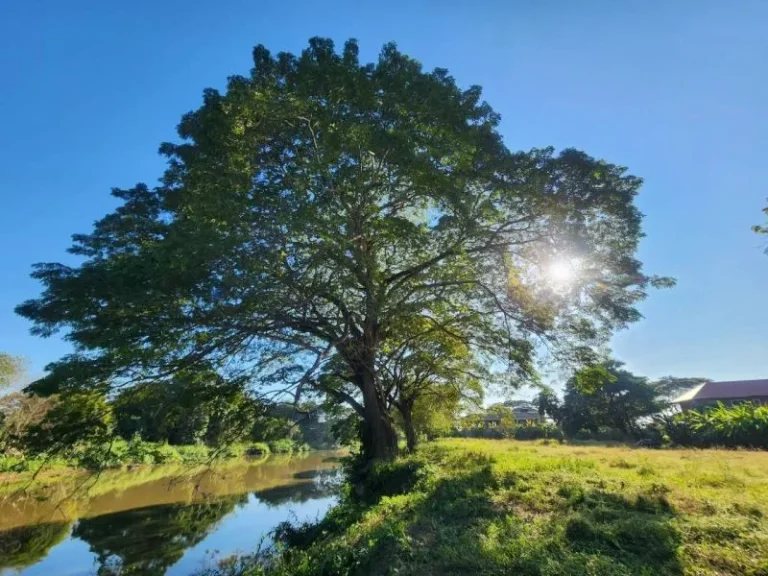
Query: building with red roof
x: 730, y: 392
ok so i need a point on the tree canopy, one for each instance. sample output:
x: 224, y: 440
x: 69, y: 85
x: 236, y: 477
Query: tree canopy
x: 608, y: 395
x: 192, y: 407
x: 428, y: 374
x: 316, y: 206
x: 11, y: 369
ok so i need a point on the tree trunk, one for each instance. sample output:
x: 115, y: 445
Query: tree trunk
x: 410, y: 432
x: 378, y: 433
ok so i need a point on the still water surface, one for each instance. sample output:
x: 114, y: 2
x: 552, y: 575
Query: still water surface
x: 161, y: 520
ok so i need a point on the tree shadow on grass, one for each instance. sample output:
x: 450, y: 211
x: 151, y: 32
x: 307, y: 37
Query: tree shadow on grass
x: 456, y: 525
x: 586, y: 532
x: 635, y: 533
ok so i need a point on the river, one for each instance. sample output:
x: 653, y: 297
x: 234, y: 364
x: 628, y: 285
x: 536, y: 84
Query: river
x: 160, y: 520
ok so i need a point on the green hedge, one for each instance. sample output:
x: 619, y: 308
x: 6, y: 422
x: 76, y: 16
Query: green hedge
x: 538, y: 431
x: 528, y: 431
x: 602, y: 434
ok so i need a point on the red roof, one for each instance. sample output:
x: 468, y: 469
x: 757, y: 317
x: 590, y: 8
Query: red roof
x: 727, y: 390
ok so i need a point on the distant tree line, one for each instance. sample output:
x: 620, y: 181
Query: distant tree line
x: 610, y: 397
x: 188, y: 409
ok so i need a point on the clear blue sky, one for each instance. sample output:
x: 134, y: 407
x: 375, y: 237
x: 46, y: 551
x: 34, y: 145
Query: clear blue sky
x: 676, y: 91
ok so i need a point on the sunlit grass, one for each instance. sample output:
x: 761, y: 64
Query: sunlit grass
x: 465, y: 506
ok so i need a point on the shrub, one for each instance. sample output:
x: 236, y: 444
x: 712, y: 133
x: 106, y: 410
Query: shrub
x: 139, y: 452
x: 10, y: 463
x: 492, y: 433
x: 742, y: 425
x: 230, y: 451
x: 384, y: 478
x: 257, y: 449
x: 538, y: 431
x: 194, y: 453
x: 99, y: 455
x: 117, y: 453
x: 284, y: 446
x: 165, y: 454
x: 603, y: 434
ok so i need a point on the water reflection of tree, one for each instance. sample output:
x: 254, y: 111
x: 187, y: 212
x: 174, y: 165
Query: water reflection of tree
x: 317, y: 484
x: 27, y: 545
x: 150, y: 540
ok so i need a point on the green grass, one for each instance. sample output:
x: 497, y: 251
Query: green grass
x: 506, y: 507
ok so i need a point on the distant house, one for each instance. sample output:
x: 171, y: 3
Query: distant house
x: 491, y: 420
x: 522, y: 413
x: 728, y: 393
x: 525, y: 414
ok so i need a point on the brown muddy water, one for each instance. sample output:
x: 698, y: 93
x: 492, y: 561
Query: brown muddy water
x: 160, y: 520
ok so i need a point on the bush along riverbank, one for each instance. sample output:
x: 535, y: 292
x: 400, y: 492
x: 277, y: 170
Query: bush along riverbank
x: 507, y: 507
x: 136, y: 452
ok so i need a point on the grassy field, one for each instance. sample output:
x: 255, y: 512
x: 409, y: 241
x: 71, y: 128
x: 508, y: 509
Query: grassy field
x: 507, y: 507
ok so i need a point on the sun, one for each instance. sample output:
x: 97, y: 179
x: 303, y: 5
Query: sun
x: 561, y: 271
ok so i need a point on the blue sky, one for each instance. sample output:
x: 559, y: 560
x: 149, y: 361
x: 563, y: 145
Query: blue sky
x: 676, y: 91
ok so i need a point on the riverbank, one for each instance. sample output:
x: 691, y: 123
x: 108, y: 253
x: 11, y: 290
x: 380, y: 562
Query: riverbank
x: 506, y: 507
x: 150, y: 519
x: 16, y: 471
x: 81, y: 494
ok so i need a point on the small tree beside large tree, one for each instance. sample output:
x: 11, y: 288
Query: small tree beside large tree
x: 429, y: 372
x: 316, y: 205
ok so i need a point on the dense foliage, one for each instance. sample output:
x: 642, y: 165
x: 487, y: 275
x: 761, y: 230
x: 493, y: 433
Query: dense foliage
x: 318, y: 204
x: 119, y: 453
x: 742, y: 425
x: 188, y: 421
x: 606, y: 397
x: 191, y: 408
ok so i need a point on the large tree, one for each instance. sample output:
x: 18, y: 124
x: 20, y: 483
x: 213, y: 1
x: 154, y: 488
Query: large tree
x: 316, y: 204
